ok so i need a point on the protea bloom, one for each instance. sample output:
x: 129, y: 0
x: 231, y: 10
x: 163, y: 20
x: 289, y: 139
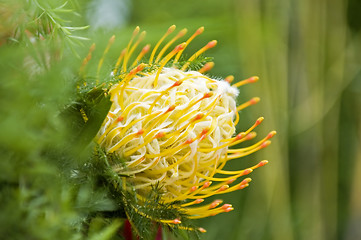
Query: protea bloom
x: 174, y: 127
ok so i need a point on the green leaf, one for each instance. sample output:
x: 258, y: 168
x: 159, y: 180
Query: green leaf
x: 86, y: 115
x: 78, y: 37
x: 77, y: 28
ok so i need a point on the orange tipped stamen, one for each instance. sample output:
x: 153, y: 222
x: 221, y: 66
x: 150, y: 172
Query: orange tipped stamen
x: 228, y: 209
x: 248, y: 103
x: 203, y: 134
x: 198, y: 116
x: 265, y: 144
x: 140, y: 132
x: 207, y: 67
x: 189, y: 141
x: 223, y: 188
x: 120, y: 118
x: 240, y: 187
x: 206, y: 184
x: 199, y: 31
x: 177, y: 83
x: 135, y: 32
x: 262, y: 163
x: 226, y: 206
x: 197, y: 201
x: 176, y: 221
x: 144, y: 51
x: 209, y: 45
x: 246, y: 81
x: 211, y: 212
x: 251, y: 135
x: 248, y: 170
x: 193, y: 188
x: 244, y: 183
x: 230, y: 181
x: 171, y: 108
x: 240, y: 136
x: 229, y: 79
x: 160, y: 135
x: 208, y: 95
x: 258, y: 122
x: 172, y: 53
x: 215, y: 204
x: 270, y: 135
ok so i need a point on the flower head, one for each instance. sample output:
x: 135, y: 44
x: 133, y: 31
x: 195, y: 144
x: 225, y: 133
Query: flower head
x: 175, y: 127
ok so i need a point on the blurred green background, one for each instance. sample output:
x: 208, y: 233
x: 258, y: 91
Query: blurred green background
x: 307, y: 54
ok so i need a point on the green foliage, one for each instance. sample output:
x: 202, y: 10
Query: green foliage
x: 39, y: 146
x: 26, y: 22
x: 32, y: 195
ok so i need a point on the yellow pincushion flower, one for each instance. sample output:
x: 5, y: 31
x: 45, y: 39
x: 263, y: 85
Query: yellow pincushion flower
x: 175, y: 127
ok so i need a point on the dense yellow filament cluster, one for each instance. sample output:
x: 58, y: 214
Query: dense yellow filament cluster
x: 176, y: 127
